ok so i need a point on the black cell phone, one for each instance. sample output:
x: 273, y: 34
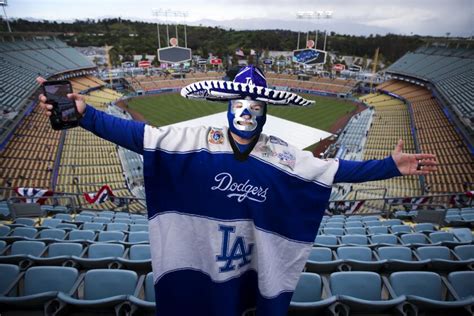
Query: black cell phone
x: 64, y: 114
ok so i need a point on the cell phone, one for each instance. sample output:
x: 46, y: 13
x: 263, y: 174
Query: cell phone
x: 64, y: 114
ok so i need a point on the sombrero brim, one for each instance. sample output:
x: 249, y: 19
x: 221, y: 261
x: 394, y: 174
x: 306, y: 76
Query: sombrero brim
x: 219, y: 90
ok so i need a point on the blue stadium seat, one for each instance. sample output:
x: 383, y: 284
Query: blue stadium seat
x: 334, y: 225
x: 326, y: 241
x: 359, y: 240
x: 117, y: 227
x: 23, y: 221
x: 101, y: 255
x: 441, y: 258
x: 465, y: 252
x: 60, y: 253
x: 384, y: 240
x: 377, y: 230
x: 139, y: 258
x: 83, y: 218
x: 3, y: 246
x: 4, y: 230
x: 82, y: 236
x: 424, y: 228
x: 321, y: 260
x: 93, y: 226
x: 103, y: 291
x: 140, y: 221
x: 415, y: 239
x: 51, y: 234
x: 138, y: 237
x: 353, y: 224
x: 373, y: 223
x: 359, y: 258
x: 147, y: 304
x: 307, y: 298
x: 21, y: 233
x: 41, y: 285
x: 102, y: 220
x: 138, y: 228
x: 400, y: 229
x: 121, y: 215
x: 446, y: 239
x: 64, y: 217
x: 462, y: 283
x: 355, y: 231
x: 362, y: 292
x: 370, y: 218
x: 127, y: 221
x: 400, y: 259
x: 9, y: 273
x: 111, y: 236
x: 20, y: 250
x: 425, y: 291
x: 392, y: 221
x: 333, y: 231
x: 51, y: 222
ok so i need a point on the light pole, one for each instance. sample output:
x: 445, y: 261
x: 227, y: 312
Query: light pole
x: 176, y: 14
x: 4, y: 3
x: 314, y: 15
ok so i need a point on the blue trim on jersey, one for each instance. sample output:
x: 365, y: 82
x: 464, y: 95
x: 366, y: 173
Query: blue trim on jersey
x: 370, y: 170
x: 282, y: 203
x: 190, y: 299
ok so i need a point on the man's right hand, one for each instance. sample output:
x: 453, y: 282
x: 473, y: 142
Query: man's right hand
x: 79, y: 99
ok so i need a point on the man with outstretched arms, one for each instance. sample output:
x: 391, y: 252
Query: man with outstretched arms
x: 233, y: 212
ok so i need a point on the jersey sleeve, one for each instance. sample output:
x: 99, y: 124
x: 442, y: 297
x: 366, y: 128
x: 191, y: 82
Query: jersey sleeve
x: 125, y: 133
x: 370, y: 170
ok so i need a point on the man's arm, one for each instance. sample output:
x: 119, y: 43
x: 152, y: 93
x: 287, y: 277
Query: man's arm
x: 125, y: 133
x: 398, y: 164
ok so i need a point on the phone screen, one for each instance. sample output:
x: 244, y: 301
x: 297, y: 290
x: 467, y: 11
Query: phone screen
x: 56, y: 94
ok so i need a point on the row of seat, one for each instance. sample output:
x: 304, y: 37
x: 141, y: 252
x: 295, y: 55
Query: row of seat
x: 52, y: 290
x: 399, y: 258
x: 401, y: 293
x: 26, y: 253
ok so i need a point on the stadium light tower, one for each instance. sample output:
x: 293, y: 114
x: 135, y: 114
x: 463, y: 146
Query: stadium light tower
x: 314, y: 15
x: 169, y: 13
x: 4, y: 3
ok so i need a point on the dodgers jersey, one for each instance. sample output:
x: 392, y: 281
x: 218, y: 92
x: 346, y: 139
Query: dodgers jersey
x: 228, y: 235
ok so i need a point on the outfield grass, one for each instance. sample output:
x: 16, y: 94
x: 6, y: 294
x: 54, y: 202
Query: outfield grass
x: 167, y: 109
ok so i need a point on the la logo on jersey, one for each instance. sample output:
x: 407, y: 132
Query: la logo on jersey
x: 240, y: 253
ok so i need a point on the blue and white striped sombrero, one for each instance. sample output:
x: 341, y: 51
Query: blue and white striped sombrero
x: 250, y: 82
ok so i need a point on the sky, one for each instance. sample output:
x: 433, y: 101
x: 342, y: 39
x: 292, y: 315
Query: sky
x: 357, y: 17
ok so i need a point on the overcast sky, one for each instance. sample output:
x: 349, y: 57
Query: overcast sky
x: 424, y: 17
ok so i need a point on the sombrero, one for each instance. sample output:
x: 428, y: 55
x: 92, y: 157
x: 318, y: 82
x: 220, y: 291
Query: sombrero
x: 250, y: 82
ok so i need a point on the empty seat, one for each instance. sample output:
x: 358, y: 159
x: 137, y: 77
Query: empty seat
x: 445, y: 238
x: 23, y: 232
x: 424, y: 228
x: 83, y: 218
x: 373, y: 223
x: 333, y: 231
x: 140, y: 221
x: 127, y: 221
x: 326, y: 241
x: 102, y: 220
x: 51, y: 233
x: 400, y: 258
x: 103, y: 290
x: 393, y: 221
x: 24, y: 221
x: 101, y: 255
x: 138, y: 237
x: 9, y: 273
x: 111, y: 236
x: 321, y: 259
x: 51, y: 222
x: 59, y: 253
x: 440, y: 258
x: 415, y: 239
x: 400, y: 229
x: 3, y: 246
x: 82, y: 235
x: 384, y: 239
x: 117, y: 227
x: 355, y: 231
x: 41, y: 285
x: 354, y: 240
x: 307, y: 297
x: 465, y: 252
x: 93, y: 226
x: 463, y: 284
x: 148, y: 301
x: 4, y: 230
x: 362, y: 292
x: 138, y: 228
x: 425, y: 291
x: 139, y: 258
x: 64, y: 217
x: 359, y: 258
x: 20, y: 250
x: 353, y: 224
x: 334, y: 225
x: 121, y: 215
x: 377, y: 230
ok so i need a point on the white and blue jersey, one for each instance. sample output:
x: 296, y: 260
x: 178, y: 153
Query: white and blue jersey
x: 229, y: 236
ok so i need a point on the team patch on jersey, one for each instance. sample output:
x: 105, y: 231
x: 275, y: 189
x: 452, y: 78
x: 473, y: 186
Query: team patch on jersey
x: 216, y: 136
x: 278, y: 141
x: 287, y: 159
x: 264, y: 150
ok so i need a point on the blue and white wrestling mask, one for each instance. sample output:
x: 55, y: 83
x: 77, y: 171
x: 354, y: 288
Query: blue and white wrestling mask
x: 246, y: 117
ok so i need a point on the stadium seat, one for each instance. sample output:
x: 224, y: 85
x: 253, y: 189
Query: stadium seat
x: 354, y: 224
x: 355, y: 231
x: 146, y: 304
x: 140, y: 221
x: 377, y: 230
x: 20, y: 250
x: 51, y: 234
x: 362, y: 292
x: 60, y: 253
x: 400, y: 229
x: 384, y: 240
x: 441, y: 258
x: 93, y: 226
x: 400, y: 259
x: 373, y: 223
x: 82, y: 236
x: 51, y: 222
x: 425, y: 291
x: 415, y: 239
x: 41, y: 285
x: 138, y: 237
x: 122, y: 220
x: 446, y: 239
x: 462, y: 284
x: 334, y: 225
x: 103, y: 291
x: 359, y: 240
x: 83, y: 218
x: 9, y: 273
x: 465, y: 252
x: 101, y: 255
x: 321, y: 259
x: 23, y: 221
x: 138, y: 228
x: 4, y: 230
x: 307, y: 297
x: 326, y: 241
x: 121, y: 215
x: 117, y: 227
x: 424, y: 228
x: 139, y: 258
x: 111, y: 236
x: 358, y: 258
x: 3, y: 246
x: 64, y: 217
x: 102, y: 220
x: 21, y: 233
x: 391, y: 222
x: 333, y: 231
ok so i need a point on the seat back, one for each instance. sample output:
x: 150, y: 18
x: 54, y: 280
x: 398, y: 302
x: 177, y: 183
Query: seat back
x: 308, y: 288
x: 355, y: 231
x: 84, y: 218
x: 25, y: 221
x: 359, y: 284
x: 52, y: 233
x: 378, y: 230
x: 44, y: 279
x: 465, y: 252
x: 4, y: 230
x: 441, y: 236
x: 51, y: 222
x: 138, y: 237
x: 8, y: 272
x: 140, y: 252
x: 463, y: 283
x: 354, y: 239
x: 414, y: 238
x: 81, y: 235
x: 117, y: 227
x: 64, y: 249
x: 384, y: 239
x: 149, y: 288
x: 28, y: 232
x: 138, y: 228
x: 111, y: 236
x: 320, y: 254
x: 334, y: 231
x: 326, y: 240
x: 400, y: 229
x: 434, y: 252
x: 105, y: 250
x: 424, y: 284
x: 395, y: 253
x: 92, y: 226
x: 355, y: 253
x: 28, y: 247
x: 102, y: 283
x: 424, y: 227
